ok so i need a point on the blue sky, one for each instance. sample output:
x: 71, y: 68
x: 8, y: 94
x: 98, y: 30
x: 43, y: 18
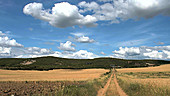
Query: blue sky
x: 103, y: 34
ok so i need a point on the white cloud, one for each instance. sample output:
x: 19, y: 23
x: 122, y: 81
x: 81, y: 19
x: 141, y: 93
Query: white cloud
x: 31, y: 52
x: 38, y: 51
x: 102, y: 53
x: 92, y: 6
x: 11, y: 49
x: 126, y: 9
x: 109, y: 10
x: 83, y: 54
x: 78, y: 34
x: 143, y: 52
x: 5, y: 52
x: 61, y: 15
x: 68, y: 46
x: 7, y: 42
x: 79, y: 37
x: 84, y: 39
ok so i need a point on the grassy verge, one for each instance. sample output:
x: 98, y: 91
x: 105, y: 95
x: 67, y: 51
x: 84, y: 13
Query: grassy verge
x: 138, y: 87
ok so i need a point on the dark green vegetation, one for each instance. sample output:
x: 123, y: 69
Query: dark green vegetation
x: 53, y: 88
x: 49, y: 63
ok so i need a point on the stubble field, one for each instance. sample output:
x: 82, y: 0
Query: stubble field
x: 151, y: 81
x: 52, y: 75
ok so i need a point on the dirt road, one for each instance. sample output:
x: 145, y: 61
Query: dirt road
x: 119, y: 89
x: 103, y: 91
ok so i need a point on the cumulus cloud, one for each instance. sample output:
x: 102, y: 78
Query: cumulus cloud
x: 66, y: 15
x: 9, y: 48
x: 61, y: 15
x: 83, y: 54
x: 5, y: 52
x: 102, y: 53
x: 143, y: 52
x: 68, y: 46
x: 6, y: 45
x: 30, y: 52
x: 7, y: 42
x: 126, y: 9
x: 92, y: 6
x: 38, y: 51
x: 79, y: 37
x: 84, y: 39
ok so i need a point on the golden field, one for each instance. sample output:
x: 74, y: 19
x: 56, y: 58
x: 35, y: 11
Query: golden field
x: 51, y: 75
x: 161, y: 68
x: 150, y: 81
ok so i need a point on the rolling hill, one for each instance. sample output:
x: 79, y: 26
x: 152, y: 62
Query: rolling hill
x: 50, y: 63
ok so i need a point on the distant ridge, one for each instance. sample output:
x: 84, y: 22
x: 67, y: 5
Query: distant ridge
x: 50, y: 63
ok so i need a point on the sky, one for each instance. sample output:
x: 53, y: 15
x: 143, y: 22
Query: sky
x: 85, y: 29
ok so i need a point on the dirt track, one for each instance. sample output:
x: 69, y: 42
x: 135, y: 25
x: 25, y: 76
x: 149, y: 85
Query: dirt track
x: 103, y: 91
x: 119, y: 89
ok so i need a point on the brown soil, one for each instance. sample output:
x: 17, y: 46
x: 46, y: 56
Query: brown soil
x: 23, y: 88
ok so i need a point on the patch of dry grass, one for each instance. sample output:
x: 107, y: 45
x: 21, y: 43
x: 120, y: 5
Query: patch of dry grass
x: 52, y: 75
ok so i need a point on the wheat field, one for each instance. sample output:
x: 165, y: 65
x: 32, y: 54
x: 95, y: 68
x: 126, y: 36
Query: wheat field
x: 51, y: 75
x: 161, y: 68
x: 150, y: 81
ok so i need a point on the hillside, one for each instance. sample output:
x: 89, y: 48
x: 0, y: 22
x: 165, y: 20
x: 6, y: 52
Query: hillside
x: 49, y: 63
